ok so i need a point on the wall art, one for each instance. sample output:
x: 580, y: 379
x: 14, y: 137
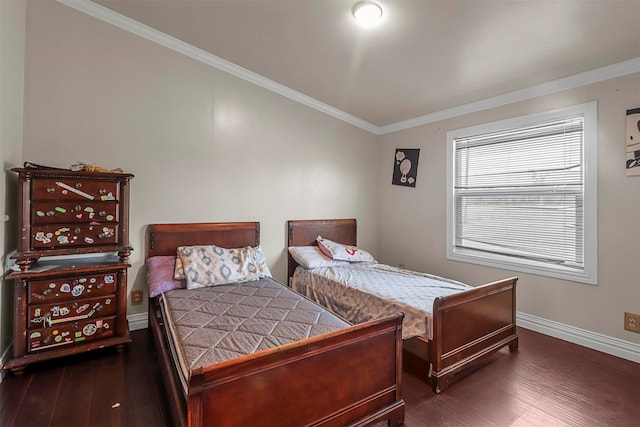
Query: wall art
x: 633, y: 142
x: 405, y: 168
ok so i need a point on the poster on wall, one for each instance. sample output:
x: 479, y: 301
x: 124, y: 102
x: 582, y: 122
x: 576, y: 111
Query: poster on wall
x: 633, y: 142
x: 405, y: 168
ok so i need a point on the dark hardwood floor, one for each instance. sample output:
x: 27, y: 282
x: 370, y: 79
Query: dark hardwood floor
x: 547, y: 382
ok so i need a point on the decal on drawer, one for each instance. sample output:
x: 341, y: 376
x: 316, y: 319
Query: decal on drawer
x: 76, y: 332
x: 74, y: 190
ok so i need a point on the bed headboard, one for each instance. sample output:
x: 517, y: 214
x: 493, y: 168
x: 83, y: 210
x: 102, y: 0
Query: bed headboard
x: 304, y: 233
x: 164, y: 239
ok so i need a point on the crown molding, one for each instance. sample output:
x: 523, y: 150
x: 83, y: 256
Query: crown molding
x: 102, y: 13
x: 109, y: 16
x: 608, y: 72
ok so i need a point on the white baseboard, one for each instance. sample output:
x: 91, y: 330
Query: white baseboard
x: 6, y: 356
x: 593, y: 340
x: 138, y: 321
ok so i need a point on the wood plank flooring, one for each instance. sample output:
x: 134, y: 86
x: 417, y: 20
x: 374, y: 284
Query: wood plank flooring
x: 547, y: 382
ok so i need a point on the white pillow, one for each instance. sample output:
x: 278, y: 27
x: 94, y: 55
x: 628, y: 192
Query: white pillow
x: 310, y: 257
x: 342, y: 252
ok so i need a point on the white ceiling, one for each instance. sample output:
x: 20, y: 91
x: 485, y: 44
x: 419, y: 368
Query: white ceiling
x: 425, y: 56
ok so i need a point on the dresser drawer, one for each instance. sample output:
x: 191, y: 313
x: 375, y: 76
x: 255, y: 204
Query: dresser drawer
x: 51, y: 212
x: 70, y: 333
x: 75, y: 235
x: 47, y: 315
x: 74, y: 189
x: 67, y: 288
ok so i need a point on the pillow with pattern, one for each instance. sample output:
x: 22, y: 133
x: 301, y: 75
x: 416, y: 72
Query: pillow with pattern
x: 342, y: 252
x: 311, y: 257
x: 212, y: 265
x: 178, y: 272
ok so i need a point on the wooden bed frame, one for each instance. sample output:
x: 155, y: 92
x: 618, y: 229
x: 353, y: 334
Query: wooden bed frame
x: 351, y: 376
x: 467, y: 327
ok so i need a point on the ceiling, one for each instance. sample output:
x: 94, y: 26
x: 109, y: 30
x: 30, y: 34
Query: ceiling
x: 425, y: 56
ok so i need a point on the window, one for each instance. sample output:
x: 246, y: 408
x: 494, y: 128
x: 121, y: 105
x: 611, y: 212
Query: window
x: 522, y: 194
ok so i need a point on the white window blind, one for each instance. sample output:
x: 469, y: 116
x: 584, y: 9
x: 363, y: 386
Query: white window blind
x: 518, y: 194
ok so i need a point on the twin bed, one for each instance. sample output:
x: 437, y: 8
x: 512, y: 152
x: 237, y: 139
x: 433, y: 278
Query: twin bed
x: 257, y: 353
x: 460, y: 327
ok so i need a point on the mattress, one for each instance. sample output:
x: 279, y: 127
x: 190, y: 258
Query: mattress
x: 209, y: 325
x: 360, y: 292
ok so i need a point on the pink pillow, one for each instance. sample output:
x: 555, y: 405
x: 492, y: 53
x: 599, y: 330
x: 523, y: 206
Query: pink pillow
x: 160, y: 275
x: 342, y: 252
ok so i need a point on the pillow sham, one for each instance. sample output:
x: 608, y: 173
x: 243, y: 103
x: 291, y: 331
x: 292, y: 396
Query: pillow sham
x: 212, y: 265
x: 338, y: 251
x: 311, y: 257
x: 260, y: 259
x: 160, y: 275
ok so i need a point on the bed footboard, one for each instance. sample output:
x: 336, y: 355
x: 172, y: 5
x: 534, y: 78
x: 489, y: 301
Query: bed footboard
x: 347, y: 377
x: 470, y: 326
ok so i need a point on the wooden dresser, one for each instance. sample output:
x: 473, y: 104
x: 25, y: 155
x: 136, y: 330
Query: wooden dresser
x: 73, y: 302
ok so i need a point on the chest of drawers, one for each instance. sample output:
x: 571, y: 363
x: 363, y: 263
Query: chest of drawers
x: 70, y: 302
x: 69, y: 306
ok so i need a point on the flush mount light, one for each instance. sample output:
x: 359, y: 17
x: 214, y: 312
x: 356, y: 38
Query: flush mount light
x: 367, y: 13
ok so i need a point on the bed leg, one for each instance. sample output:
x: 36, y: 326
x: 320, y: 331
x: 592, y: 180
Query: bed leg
x: 394, y: 417
x: 440, y: 384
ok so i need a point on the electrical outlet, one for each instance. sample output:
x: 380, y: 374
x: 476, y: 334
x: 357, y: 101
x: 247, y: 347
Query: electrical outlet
x: 136, y: 297
x: 632, y: 322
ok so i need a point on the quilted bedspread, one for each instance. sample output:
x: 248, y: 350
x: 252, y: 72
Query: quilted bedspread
x: 360, y: 292
x: 217, y: 323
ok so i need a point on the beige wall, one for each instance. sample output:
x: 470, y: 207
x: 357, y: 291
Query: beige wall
x: 203, y: 145
x: 12, y: 48
x: 594, y: 308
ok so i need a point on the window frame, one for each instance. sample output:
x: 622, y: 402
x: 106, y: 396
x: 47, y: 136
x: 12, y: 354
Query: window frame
x: 589, y: 274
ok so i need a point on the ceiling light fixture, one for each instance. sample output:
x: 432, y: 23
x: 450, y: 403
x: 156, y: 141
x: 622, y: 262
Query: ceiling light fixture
x: 367, y: 13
